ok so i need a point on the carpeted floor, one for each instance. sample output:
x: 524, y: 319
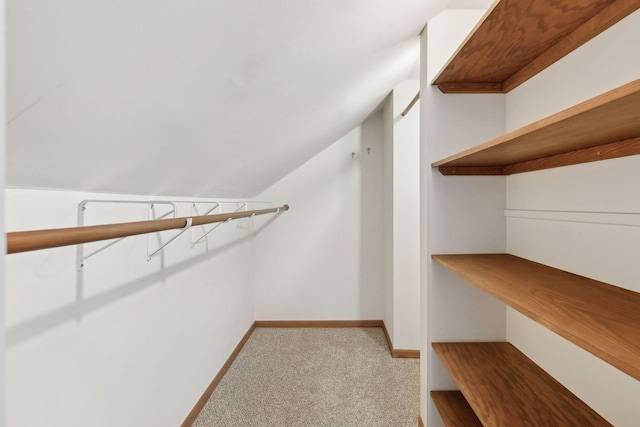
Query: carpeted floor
x: 333, y: 377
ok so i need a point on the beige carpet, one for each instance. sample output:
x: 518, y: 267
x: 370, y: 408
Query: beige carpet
x: 333, y: 377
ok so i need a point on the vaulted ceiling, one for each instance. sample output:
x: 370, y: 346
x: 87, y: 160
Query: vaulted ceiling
x: 206, y: 98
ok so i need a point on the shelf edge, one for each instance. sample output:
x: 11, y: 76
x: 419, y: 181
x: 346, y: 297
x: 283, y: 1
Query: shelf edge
x: 572, y: 113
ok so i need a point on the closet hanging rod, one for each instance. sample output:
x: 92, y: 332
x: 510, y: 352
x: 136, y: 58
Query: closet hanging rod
x: 23, y: 241
x: 411, y: 104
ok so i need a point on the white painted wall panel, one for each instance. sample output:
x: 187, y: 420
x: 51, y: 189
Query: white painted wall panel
x: 323, y: 260
x: 607, y: 61
x: 125, y: 342
x: 406, y: 217
x: 2, y: 212
x: 582, y: 218
x: 424, y: 256
x: 601, y: 251
x: 388, y: 170
x: 463, y: 214
x: 611, y: 392
x: 605, y: 186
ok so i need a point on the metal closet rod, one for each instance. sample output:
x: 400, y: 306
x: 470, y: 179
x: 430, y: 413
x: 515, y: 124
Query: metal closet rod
x: 411, y: 104
x: 23, y: 241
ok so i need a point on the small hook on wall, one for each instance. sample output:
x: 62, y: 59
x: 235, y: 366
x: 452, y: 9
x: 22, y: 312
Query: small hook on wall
x: 353, y: 155
x: 368, y: 150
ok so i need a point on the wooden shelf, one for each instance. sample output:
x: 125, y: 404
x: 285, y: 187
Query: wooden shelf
x: 454, y: 409
x: 515, y: 40
x: 505, y: 388
x: 601, y: 318
x: 603, y: 127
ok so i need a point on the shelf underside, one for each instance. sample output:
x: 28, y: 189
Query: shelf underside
x: 601, y: 318
x: 604, y: 127
x: 516, y: 40
x: 505, y: 388
x: 454, y: 409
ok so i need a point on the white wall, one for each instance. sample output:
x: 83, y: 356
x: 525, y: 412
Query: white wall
x: 388, y: 170
x: 324, y: 258
x: 583, y: 218
x: 2, y: 215
x: 130, y: 342
x: 459, y: 214
x: 402, y: 219
x: 125, y: 342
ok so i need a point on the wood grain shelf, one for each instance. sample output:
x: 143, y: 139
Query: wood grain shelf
x: 454, y: 409
x: 603, y: 127
x: 515, y: 40
x: 505, y: 388
x: 601, y: 318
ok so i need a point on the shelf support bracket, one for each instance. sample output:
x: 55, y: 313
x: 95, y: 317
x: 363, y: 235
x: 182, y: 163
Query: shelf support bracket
x: 193, y: 242
x: 186, y: 227
x: 82, y: 207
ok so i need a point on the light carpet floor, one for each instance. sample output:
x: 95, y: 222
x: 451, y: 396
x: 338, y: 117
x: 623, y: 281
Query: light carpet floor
x: 333, y: 377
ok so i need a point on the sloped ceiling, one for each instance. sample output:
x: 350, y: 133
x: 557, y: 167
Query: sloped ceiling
x: 206, y: 98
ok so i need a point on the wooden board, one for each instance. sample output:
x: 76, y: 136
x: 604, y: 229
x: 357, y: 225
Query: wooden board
x: 601, y: 318
x: 454, y: 409
x: 610, y: 121
x: 516, y: 40
x: 505, y: 388
x: 319, y: 324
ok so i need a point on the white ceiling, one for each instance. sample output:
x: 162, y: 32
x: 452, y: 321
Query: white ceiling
x: 215, y: 98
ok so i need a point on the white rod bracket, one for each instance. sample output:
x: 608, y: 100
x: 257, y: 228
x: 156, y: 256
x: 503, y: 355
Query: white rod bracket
x: 246, y: 208
x: 82, y: 207
x: 194, y: 209
x: 193, y: 242
x: 217, y: 205
x: 186, y: 227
